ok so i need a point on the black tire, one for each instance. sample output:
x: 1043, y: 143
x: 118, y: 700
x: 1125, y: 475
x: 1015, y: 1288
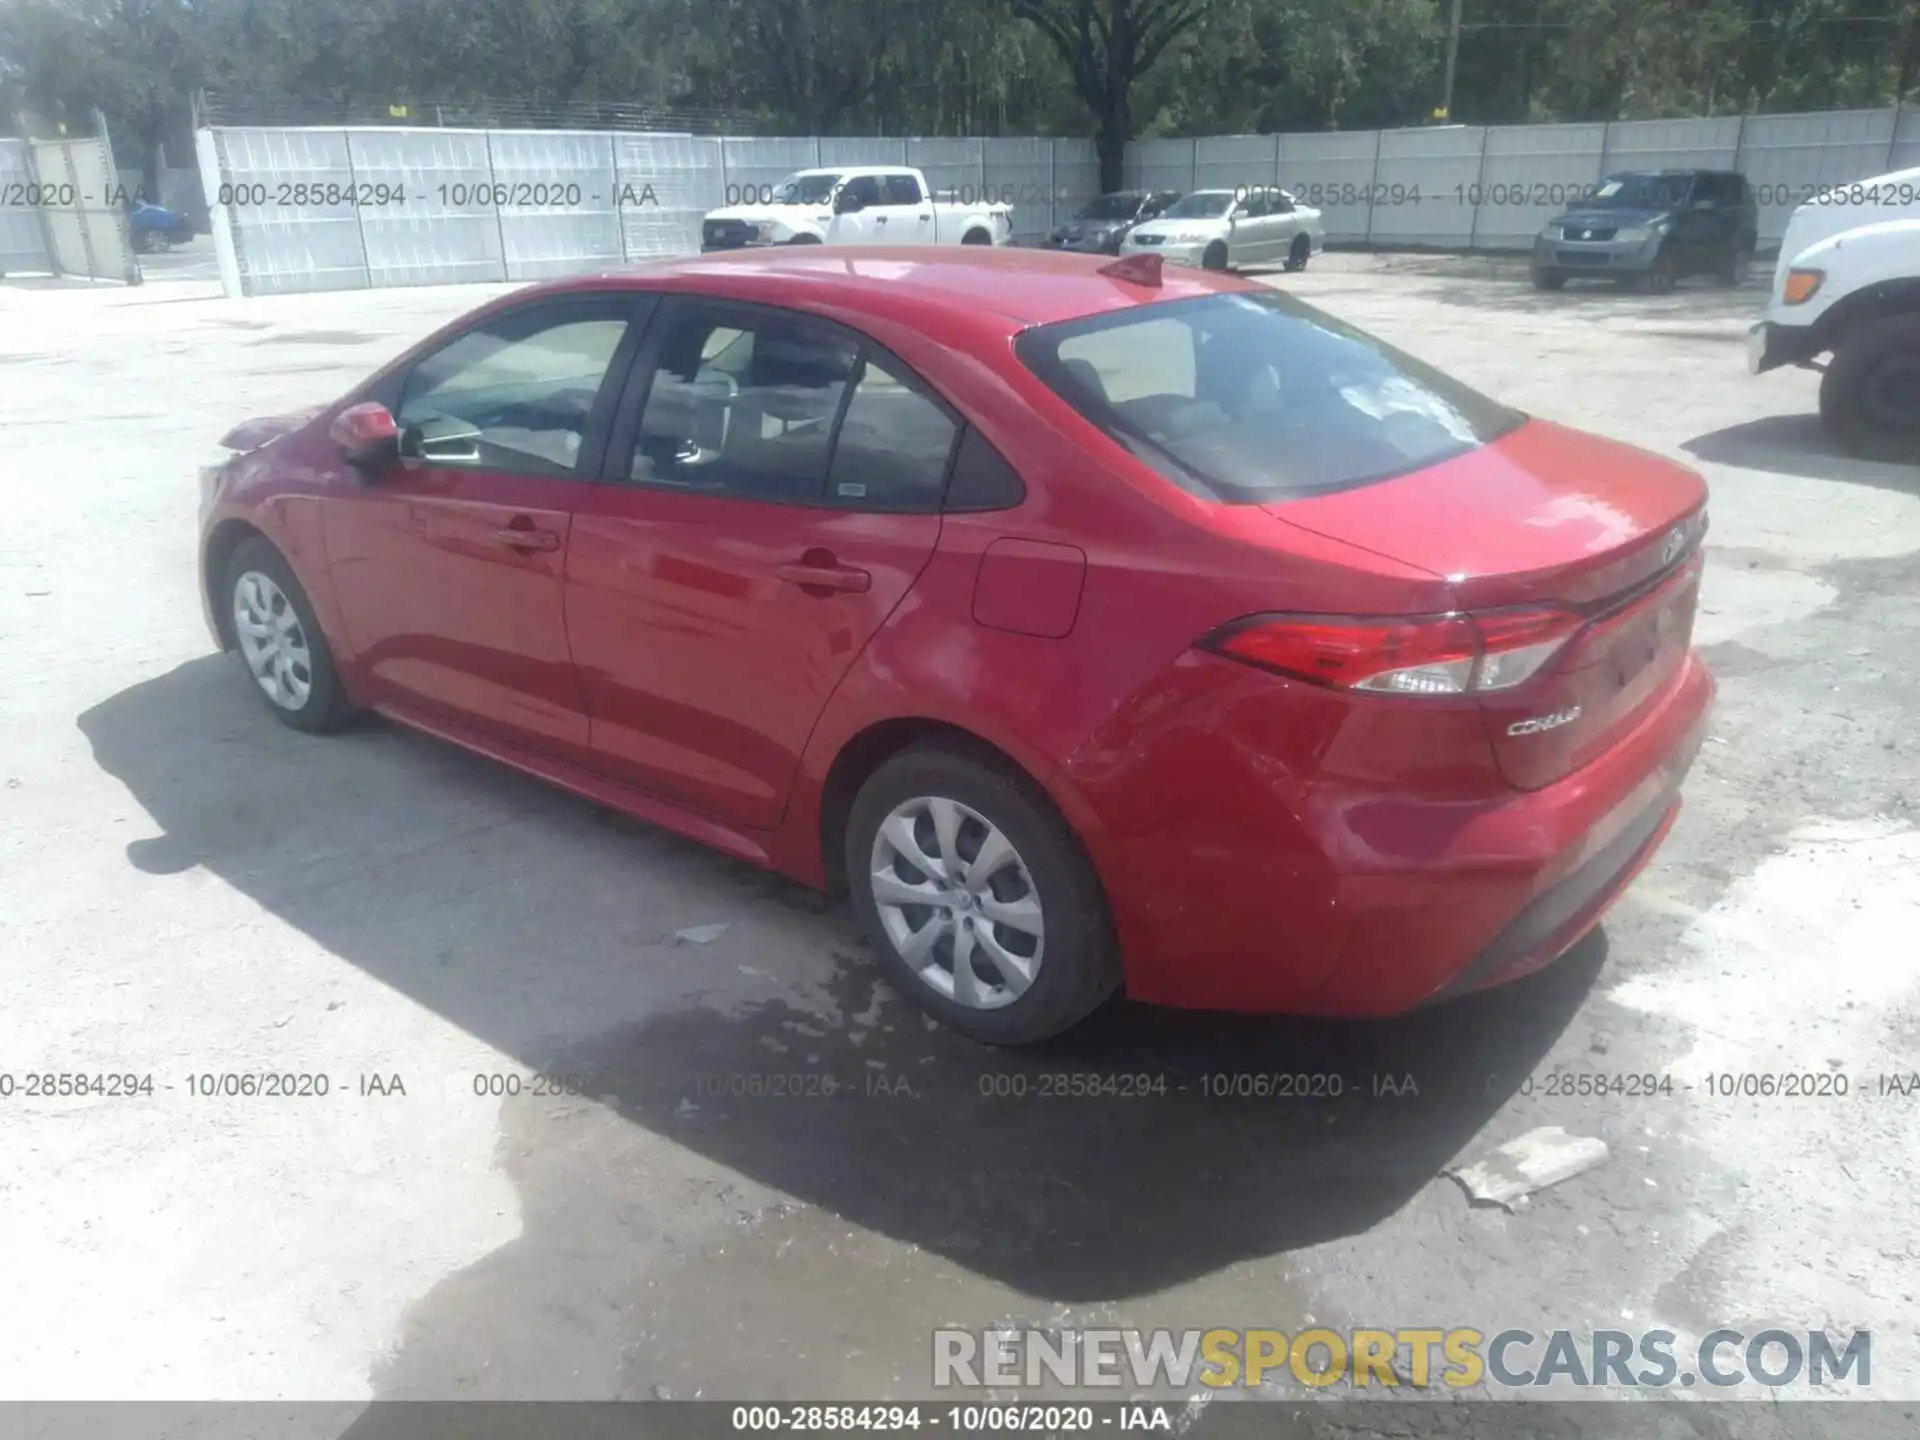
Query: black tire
x: 326, y: 707
x: 1299, y: 253
x: 1734, y: 266
x: 1870, y: 393
x: 1214, y: 257
x: 805, y: 240
x: 976, y: 237
x: 1662, y: 275
x: 1079, y: 966
x: 1547, y: 279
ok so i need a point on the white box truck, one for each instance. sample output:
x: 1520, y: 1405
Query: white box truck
x: 1847, y: 286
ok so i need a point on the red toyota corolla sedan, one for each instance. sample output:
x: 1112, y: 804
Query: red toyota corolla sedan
x: 1097, y: 628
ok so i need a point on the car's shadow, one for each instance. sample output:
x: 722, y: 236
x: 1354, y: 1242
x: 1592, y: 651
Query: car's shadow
x: 1797, y: 445
x: 985, y: 1158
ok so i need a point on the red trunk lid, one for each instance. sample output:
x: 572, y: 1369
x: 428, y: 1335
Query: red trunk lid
x: 1549, y: 516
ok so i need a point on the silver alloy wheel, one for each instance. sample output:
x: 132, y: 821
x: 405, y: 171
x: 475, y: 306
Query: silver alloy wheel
x: 957, y: 902
x: 272, y: 640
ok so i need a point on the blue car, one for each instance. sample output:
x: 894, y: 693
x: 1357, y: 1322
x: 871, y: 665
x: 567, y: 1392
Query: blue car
x: 156, y: 228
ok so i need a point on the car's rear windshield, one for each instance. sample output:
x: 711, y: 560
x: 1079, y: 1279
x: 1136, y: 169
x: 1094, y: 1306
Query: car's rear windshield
x: 1111, y: 207
x: 1209, y: 205
x: 1249, y: 398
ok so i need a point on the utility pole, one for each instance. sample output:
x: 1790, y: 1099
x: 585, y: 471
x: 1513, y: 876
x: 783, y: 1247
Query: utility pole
x: 1445, y: 111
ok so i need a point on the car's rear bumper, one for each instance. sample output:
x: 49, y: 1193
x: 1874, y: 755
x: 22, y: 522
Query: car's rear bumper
x: 1367, y: 901
x: 1771, y: 345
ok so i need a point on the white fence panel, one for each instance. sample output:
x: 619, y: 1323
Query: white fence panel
x: 1906, y: 140
x: 1788, y: 157
x: 1333, y: 173
x: 444, y: 227
x: 559, y: 202
x: 289, y: 194
x: 322, y: 209
x: 1236, y: 162
x: 862, y: 150
x: 955, y: 165
x: 1076, y: 173
x: 23, y: 236
x: 1531, y: 174
x: 1019, y: 172
x: 85, y: 222
x: 753, y: 166
x: 1160, y: 165
x: 670, y: 183
x: 1671, y: 144
x: 1423, y: 186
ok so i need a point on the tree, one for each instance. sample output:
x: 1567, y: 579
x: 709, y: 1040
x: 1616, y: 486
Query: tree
x: 1106, y: 46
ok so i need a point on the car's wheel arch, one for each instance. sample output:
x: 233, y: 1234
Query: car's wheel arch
x: 1869, y: 303
x: 867, y: 749
x: 225, y: 538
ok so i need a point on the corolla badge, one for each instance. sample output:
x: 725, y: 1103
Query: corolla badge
x: 1676, y: 542
x: 1545, y: 722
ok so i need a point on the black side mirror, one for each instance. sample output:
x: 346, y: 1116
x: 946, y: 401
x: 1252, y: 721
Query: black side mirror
x: 848, y: 203
x: 442, y: 440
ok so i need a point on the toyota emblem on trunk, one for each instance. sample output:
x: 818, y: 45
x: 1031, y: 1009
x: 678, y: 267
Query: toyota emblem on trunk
x: 1676, y: 542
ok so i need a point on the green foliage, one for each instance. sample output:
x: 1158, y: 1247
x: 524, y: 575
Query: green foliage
x: 1103, y: 68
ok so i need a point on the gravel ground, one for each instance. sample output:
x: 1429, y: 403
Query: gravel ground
x: 191, y: 889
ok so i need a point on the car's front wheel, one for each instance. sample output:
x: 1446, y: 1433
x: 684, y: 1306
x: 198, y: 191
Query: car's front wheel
x: 978, y: 898
x: 1215, y: 256
x: 279, y: 640
x: 1547, y: 279
x: 1735, y: 265
x: 1661, y: 275
x: 1870, y: 393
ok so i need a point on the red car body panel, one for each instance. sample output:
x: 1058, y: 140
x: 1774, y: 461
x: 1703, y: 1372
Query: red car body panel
x: 1264, y: 843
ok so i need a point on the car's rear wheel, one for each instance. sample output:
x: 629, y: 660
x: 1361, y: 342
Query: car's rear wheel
x: 279, y: 640
x: 1870, y: 393
x: 1734, y: 268
x: 976, y: 237
x: 1215, y: 256
x: 1661, y: 275
x: 1547, y: 279
x: 805, y: 240
x: 1300, y: 253
x: 979, y: 900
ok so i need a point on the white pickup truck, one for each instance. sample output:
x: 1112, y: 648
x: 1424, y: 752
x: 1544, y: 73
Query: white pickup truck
x: 853, y: 205
x: 1848, y: 282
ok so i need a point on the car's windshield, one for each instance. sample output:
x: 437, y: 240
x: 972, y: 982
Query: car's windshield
x: 1111, y: 207
x: 1251, y: 398
x: 813, y: 189
x: 1209, y: 205
x: 1642, y: 192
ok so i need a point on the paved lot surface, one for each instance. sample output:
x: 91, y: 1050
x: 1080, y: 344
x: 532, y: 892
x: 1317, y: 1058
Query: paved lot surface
x: 190, y: 889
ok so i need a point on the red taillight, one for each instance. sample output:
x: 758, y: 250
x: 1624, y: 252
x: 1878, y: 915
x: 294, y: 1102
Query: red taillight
x: 1453, y: 654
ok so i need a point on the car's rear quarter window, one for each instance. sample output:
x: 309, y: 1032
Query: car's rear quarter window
x: 1248, y: 398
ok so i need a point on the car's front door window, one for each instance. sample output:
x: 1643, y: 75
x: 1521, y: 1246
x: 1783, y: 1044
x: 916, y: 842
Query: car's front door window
x: 523, y: 385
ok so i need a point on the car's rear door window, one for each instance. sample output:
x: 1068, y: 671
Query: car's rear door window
x: 744, y: 403
x: 1247, y: 398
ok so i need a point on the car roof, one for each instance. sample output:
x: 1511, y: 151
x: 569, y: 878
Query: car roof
x: 1022, y: 287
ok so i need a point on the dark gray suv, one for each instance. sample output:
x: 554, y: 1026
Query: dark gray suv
x: 1650, y: 227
